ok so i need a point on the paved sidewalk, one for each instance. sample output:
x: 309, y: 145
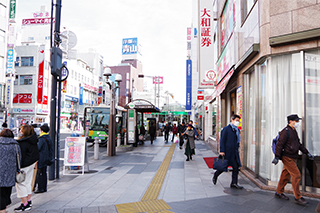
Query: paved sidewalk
x: 187, y: 186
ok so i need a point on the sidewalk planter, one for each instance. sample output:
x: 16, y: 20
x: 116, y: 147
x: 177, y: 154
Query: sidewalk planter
x: 124, y: 148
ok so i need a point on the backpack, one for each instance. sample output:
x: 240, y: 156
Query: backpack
x: 50, y: 159
x: 276, y: 140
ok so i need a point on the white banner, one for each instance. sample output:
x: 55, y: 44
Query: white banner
x: 206, y: 47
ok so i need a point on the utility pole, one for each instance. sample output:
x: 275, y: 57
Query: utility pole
x: 56, y: 67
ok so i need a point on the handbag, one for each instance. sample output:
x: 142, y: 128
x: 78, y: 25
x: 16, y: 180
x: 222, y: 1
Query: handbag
x: 20, y: 175
x: 220, y: 164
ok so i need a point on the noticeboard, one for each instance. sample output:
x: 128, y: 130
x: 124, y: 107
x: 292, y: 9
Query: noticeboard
x: 74, y: 151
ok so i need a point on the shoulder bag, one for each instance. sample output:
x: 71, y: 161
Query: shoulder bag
x: 220, y: 164
x: 20, y: 175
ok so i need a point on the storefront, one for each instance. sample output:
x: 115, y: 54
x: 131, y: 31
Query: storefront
x: 274, y: 88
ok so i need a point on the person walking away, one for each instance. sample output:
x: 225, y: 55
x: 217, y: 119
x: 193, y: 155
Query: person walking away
x: 29, y: 157
x: 189, y: 144
x: 166, y: 132
x: 8, y: 166
x: 181, y: 130
x: 229, y: 148
x: 142, y: 132
x: 45, y: 147
x: 152, y: 132
x: 287, y: 150
x: 174, y: 131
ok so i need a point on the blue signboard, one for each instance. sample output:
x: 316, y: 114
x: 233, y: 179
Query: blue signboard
x: 64, y: 70
x: 189, y: 85
x: 129, y: 46
x: 81, y: 96
x: 10, y: 62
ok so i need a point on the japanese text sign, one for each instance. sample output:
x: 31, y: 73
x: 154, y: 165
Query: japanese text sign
x: 74, y: 151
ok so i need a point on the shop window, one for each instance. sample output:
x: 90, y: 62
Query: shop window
x: 25, y: 79
x: 17, y: 62
x: 246, y: 6
x: 27, y: 61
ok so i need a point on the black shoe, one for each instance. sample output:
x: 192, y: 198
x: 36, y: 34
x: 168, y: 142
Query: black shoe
x: 23, y: 208
x: 187, y: 159
x: 39, y: 191
x: 281, y: 196
x: 236, y: 186
x: 30, y: 203
x: 214, y: 180
x: 190, y: 157
x: 301, y: 201
x: 180, y: 147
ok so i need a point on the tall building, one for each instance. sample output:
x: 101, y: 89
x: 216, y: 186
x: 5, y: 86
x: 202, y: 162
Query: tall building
x: 4, y: 20
x: 267, y: 63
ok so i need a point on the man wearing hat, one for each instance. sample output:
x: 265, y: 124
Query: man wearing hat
x: 287, y: 150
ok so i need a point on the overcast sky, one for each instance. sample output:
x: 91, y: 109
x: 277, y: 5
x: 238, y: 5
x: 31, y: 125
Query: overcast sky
x: 160, y: 25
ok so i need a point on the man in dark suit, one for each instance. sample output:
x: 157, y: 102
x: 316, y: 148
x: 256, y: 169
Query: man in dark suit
x: 229, y: 148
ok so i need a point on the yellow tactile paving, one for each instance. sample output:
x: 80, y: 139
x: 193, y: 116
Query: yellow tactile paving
x: 149, y: 202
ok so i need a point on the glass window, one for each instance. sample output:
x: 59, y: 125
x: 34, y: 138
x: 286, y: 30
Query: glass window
x: 25, y: 79
x: 246, y: 6
x: 2, y: 10
x: 16, y: 81
x: 27, y: 61
x: 17, y: 62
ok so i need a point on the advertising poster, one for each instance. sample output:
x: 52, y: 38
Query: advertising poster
x: 239, y: 105
x: 189, y: 85
x: 40, y: 76
x: 74, y: 151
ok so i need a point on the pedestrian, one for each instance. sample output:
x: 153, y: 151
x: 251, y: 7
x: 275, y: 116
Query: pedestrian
x: 181, y: 130
x: 8, y: 166
x: 194, y: 129
x: 174, y: 131
x: 45, y: 147
x: 166, y: 132
x: 152, y: 132
x: 287, y: 150
x: 142, y: 130
x: 189, y: 143
x: 29, y: 157
x: 229, y: 148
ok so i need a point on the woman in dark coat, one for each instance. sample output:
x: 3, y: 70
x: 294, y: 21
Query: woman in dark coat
x: 8, y: 166
x: 229, y: 147
x: 29, y: 157
x: 189, y: 145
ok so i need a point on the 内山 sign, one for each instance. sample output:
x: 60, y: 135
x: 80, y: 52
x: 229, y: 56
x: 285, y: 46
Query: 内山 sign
x: 129, y: 46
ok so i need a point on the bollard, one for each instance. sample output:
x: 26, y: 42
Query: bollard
x: 119, y: 140
x: 125, y: 139
x: 96, y: 148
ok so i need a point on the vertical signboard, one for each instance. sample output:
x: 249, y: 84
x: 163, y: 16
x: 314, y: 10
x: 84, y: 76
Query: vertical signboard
x: 10, y: 61
x: 64, y: 74
x: 40, y: 75
x: 206, y: 47
x: 12, y: 13
x: 239, y: 105
x: 189, y: 85
x: 81, y: 96
x: 9, y: 92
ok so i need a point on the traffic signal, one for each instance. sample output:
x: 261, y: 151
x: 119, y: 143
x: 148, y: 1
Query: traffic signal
x: 56, y: 61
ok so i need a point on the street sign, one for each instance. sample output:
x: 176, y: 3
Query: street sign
x: 158, y: 80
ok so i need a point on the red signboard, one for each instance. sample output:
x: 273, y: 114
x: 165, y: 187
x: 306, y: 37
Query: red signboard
x: 45, y: 100
x: 200, y: 97
x: 40, y: 76
x: 22, y: 98
x: 33, y: 21
x: 158, y: 80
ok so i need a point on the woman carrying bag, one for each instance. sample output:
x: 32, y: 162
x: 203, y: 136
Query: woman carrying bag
x: 29, y: 157
x: 189, y: 145
x: 9, y: 151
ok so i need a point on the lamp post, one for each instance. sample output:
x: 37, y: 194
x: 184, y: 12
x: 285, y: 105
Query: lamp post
x: 112, y: 126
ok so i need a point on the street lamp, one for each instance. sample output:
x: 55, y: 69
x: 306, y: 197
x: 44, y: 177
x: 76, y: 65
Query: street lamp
x: 112, y: 126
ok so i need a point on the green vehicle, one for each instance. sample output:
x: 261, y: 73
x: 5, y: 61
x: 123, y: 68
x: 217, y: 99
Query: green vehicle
x: 97, y: 118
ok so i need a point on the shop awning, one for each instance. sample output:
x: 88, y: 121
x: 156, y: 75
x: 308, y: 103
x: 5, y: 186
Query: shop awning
x: 223, y: 83
x: 141, y: 105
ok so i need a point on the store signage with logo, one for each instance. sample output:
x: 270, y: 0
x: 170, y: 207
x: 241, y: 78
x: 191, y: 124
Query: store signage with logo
x: 40, y: 75
x: 43, y: 111
x: 188, y: 84
x: 22, y: 98
x: 129, y: 46
x: 9, y: 92
x: 222, y: 85
x: 23, y: 110
x: 70, y: 98
x: 206, y: 47
x: 12, y: 13
x: 89, y: 87
x: 10, y: 61
x: 200, y: 95
x: 33, y: 21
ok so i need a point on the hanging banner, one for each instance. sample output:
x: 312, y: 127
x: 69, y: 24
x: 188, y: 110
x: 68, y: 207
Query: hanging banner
x: 189, y: 85
x: 40, y: 75
x: 81, y: 96
x: 64, y: 74
x: 12, y: 13
x: 206, y: 48
x: 10, y: 61
x: 239, y: 105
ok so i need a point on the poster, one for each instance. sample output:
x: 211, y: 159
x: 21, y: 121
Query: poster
x: 74, y: 151
x: 239, y: 105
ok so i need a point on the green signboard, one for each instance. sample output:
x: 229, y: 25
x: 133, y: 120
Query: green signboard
x: 12, y: 14
x: 131, y: 113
